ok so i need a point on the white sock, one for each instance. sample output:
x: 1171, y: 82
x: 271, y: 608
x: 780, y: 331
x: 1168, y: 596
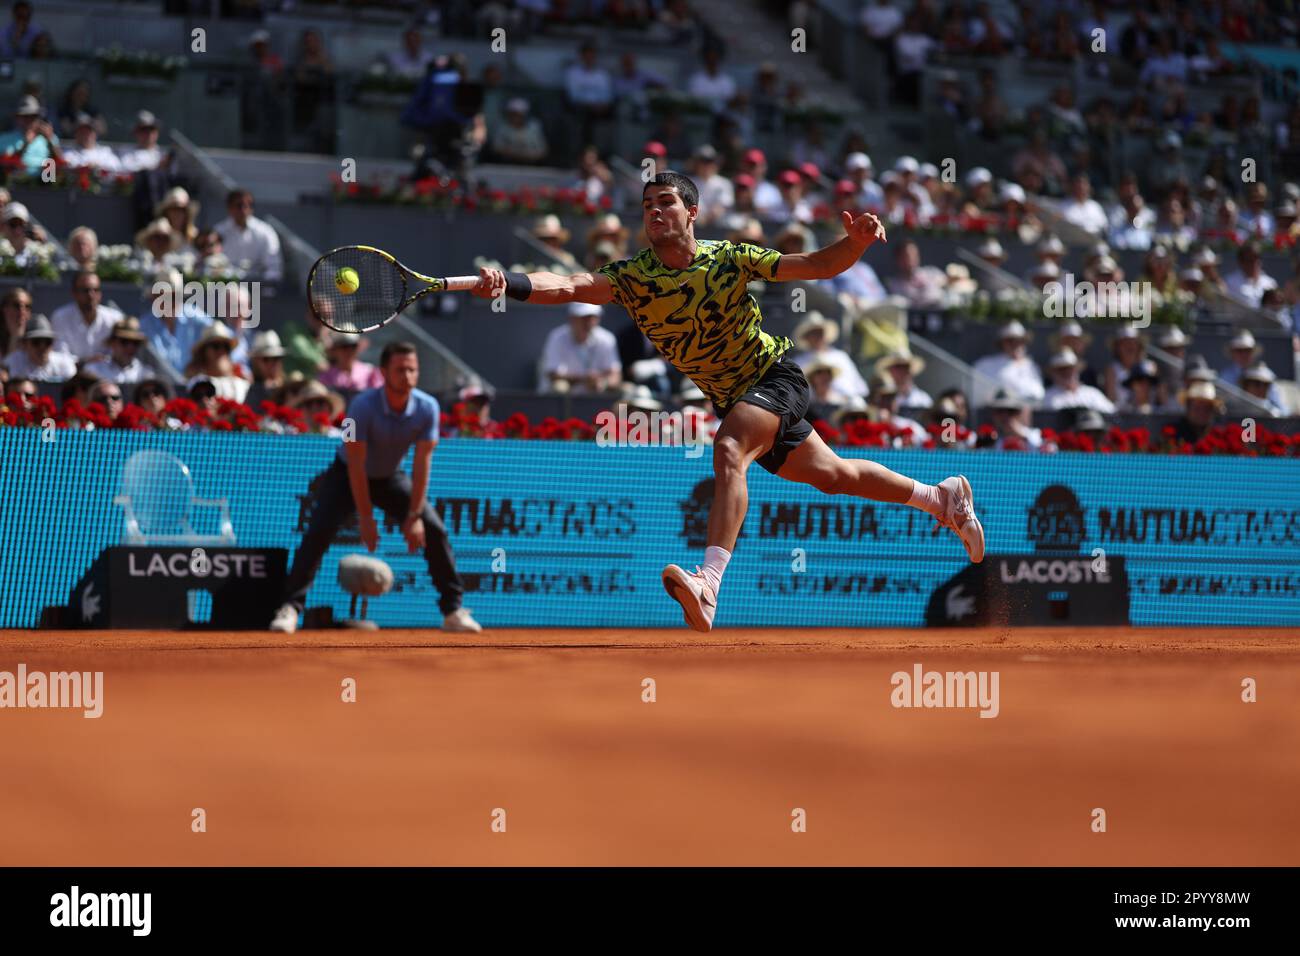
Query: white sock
x: 715, y: 562
x: 928, y: 498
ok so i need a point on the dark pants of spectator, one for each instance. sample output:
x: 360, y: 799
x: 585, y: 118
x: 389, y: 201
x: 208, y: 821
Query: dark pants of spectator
x: 334, y: 506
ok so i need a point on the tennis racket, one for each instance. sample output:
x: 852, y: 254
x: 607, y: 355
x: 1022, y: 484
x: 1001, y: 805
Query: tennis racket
x: 373, y: 292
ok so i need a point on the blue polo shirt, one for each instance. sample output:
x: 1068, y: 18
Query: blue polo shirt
x: 389, y: 435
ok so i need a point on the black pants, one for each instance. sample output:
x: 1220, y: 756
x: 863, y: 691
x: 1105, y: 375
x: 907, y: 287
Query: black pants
x: 334, y: 505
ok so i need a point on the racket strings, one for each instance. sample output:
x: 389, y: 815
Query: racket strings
x: 381, y: 290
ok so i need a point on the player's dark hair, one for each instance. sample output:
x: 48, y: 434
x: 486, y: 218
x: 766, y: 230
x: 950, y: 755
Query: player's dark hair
x: 395, y: 348
x: 682, y: 183
x: 235, y: 195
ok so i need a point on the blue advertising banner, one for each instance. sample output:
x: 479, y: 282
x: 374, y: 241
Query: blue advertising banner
x: 574, y: 534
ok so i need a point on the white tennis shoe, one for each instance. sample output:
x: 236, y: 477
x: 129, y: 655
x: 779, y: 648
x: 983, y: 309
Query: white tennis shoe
x: 285, y: 620
x: 959, y: 516
x: 462, y: 621
x: 695, y: 594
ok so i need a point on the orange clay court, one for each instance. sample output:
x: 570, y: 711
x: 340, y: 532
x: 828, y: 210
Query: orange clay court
x: 747, y: 726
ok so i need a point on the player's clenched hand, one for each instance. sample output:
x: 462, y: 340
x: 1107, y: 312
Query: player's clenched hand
x: 413, y: 531
x: 865, y: 228
x: 491, y: 283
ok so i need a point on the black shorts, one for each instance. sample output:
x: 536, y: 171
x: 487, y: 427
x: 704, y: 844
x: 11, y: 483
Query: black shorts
x: 783, y: 390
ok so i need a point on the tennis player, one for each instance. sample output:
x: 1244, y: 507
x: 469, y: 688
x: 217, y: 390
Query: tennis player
x: 689, y: 297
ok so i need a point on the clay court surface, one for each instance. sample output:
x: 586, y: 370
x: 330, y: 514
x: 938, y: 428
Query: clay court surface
x: 747, y: 726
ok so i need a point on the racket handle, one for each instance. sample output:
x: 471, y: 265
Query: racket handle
x: 460, y: 283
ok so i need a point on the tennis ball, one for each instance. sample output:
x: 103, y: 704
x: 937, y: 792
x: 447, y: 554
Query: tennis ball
x: 347, y: 281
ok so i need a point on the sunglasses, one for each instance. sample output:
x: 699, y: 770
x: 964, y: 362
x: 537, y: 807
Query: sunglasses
x: 114, y: 397
x: 145, y: 396
x: 88, y: 290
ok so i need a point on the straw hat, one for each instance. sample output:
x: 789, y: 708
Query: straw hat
x: 1050, y: 246
x: 899, y: 357
x: 550, y: 227
x: 1123, y: 333
x: 1243, y: 340
x: 1204, y: 392
x: 639, y: 396
x: 820, y: 366
x: 267, y: 345
x: 959, y: 280
x: 815, y: 321
x: 1071, y: 329
x: 1046, y: 269
x: 1065, y: 358
x: 313, y: 391
x: 990, y: 248
x: 1259, y: 372
x: 218, y: 331
x: 1143, y: 370
x: 883, y: 385
x: 128, y: 329
x: 341, y: 339
x: 1089, y: 420
x: 1173, y: 338
x: 608, y: 225
x: 1007, y: 401
x: 1013, y: 330
x: 176, y: 198
x: 854, y: 407
x: 159, y: 227
x: 38, y: 327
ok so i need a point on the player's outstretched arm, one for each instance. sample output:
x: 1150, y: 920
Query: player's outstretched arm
x: 859, y: 232
x: 544, y: 288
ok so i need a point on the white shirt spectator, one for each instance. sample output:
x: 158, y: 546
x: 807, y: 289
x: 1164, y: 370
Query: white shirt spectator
x: 717, y: 89
x: 588, y: 87
x: 924, y: 287
x: 564, y: 355
x: 1018, y: 376
x: 1172, y: 67
x: 717, y: 196
x: 881, y: 21
x: 1259, y: 223
x: 227, y: 386
x: 861, y: 282
x: 1083, y: 396
x: 871, y: 195
x: 133, y: 159
x: 73, y: 336
x: 526, y: 143
x: 98, y: 156
x: 130, y: 374
x: 58, y: 367
x: 802, y: 211
x: 910, y: 51
x: 1252, y: 290
x: 914, y: 397
x: 403, y: 63
x: 848, y: 382
x: 767, y: 199
x: 1232, y: 376
x: 257, y: 244
x: 1087, y: 215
